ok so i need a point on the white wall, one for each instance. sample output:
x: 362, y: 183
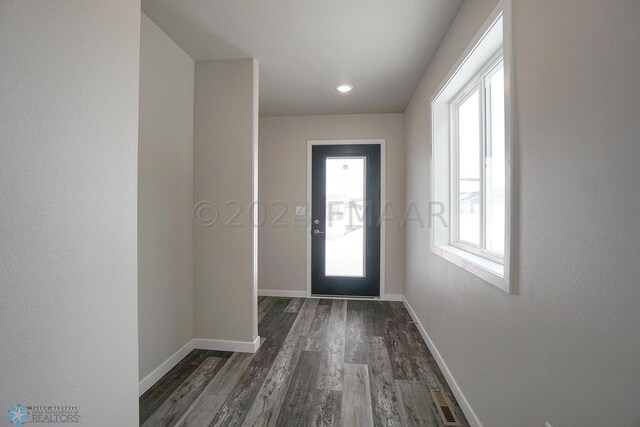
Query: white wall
x: 565, y: 347
x: 68, y: 173
x: 165, y: 198
x: 283, y: 177
x: 224, y: 170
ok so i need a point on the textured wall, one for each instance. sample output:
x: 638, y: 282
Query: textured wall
x: 225, y: 144
x: 565, y: 347
x: 165, y: 198
x: 68, y: 168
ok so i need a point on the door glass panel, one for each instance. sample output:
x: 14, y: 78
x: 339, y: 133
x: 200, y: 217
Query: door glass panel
x: 345, y: 216
x: 469, y: 169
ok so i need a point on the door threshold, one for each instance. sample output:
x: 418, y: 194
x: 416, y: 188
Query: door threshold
x: 353, y: 297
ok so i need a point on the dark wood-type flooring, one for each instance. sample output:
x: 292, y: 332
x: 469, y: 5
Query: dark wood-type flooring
x: 322, y: 362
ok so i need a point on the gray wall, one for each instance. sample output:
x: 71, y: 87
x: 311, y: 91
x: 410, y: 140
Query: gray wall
x: 225, y: 146
x: 283, y: 177
x: 165, y: 198
x: 565, y: 347
x: 68, y: 168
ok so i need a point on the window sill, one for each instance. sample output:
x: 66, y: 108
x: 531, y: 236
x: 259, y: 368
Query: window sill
x: 489, y: 271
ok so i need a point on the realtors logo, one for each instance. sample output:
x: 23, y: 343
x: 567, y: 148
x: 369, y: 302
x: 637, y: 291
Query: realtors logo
x: 18, y: 415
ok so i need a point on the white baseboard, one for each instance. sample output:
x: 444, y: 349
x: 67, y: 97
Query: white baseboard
x: 281, y: 293
x: 223, y: 345
x: 196, y: 343
x: 303, y: 294
x: 455, y: 388
x: 146, y: 383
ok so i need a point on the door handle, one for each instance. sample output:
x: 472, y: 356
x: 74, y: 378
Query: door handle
x: 316, y: 231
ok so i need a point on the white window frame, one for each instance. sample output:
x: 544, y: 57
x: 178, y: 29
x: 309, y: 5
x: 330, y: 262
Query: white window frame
x: 479, y: 83
x: 493, y: 37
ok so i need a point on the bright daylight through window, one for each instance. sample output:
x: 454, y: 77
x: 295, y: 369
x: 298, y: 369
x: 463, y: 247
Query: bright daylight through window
x: 478, y: 191
x: 471, y: 166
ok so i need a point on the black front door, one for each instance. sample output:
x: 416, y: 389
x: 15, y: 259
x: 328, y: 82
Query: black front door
x: 345, y: 220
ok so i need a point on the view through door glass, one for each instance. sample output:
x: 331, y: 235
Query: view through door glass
x: 345, y: 229
x: 345, y: 216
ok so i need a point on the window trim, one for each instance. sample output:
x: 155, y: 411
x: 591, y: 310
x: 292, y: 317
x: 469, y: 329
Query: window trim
x: 477, y: 82
x: 483, y: 45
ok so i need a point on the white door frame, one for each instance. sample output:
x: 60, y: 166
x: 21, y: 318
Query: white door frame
x: 383, y: 199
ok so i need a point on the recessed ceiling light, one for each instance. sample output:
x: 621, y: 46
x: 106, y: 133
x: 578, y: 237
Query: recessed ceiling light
x: 344, y: 88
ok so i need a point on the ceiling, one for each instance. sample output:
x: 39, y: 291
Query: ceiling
x: 306, y: 47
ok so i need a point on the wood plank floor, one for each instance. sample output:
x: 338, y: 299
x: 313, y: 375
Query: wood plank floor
x: 322, y: 362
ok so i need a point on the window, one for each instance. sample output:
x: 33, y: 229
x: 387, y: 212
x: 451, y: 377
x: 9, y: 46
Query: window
x: 478, y: 163
x: 471, y: 167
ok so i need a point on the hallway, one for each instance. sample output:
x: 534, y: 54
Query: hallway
x: 322, y: 362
